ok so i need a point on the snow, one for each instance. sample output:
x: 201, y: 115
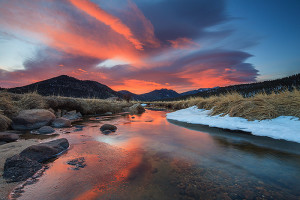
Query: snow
x: 143, y: 104
x: 283, y: 127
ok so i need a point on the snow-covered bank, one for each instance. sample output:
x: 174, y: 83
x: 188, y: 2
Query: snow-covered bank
x: 284, y: 127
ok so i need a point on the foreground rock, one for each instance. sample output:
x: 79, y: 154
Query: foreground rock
x: 61, y: 123
x: 8, y: 137
x: 108, y: 128
x: 5, y: 122
x: 46, y: 130
x: 18, y: 168
x: 136, y: 109
x: 24, y: 165
x: 72, y: 115
x: 32, y: 119
x: 44, y: 151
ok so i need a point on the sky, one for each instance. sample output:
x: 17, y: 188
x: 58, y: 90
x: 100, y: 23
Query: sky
x: 142, y: 45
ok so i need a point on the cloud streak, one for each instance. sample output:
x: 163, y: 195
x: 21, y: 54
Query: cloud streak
x: 161, y: 42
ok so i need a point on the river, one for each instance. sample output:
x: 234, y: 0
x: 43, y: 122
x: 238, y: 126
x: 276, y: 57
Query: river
x: 149, y: 157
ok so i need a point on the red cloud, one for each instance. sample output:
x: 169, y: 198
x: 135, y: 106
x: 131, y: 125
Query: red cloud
x: 115, y: 23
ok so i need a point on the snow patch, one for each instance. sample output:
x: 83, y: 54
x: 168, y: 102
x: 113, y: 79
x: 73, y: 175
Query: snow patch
x: 283, y: 127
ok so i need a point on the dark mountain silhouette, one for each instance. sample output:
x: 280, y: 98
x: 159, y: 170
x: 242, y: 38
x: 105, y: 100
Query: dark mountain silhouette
x: 151, y: 96
x: 128, y: 94
x: 248, y: 90
x: 158, y: 95
x: 72, y: 87
x: 68, y: 86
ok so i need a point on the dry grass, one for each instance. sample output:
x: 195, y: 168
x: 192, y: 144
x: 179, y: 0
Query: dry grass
x: 4, y: 122
x: 11, y: 104
x: 86, y: 106
x: 259, y: 107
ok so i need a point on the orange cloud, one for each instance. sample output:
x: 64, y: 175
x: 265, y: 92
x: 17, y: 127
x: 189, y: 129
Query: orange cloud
x: 183, y: 43
x: 115, y: 23
x: 139, y: 86
x: 58, y: 30
x: 206, y: 79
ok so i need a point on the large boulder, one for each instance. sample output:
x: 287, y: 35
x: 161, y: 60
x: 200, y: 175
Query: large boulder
x: 32, y: 119
x: 4, y: 122
x: 108, y: 127
x: 18, y: 168
x: 72, y: 115
x: 61, y: 123
x: 136, y: 109
x: 8, y: 137
x: 46, y: 130
x: 44, y: 151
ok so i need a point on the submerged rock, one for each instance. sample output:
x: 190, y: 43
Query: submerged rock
x: 19, y: 168
x: 136, y: 109
x: 108, y: 113
x: 44, y: 151
x: 108, y: 127
x: 8, y: 137
x: 106, y: 132
x: 46, y: 130
x: 61, y: 123
x: 77, y: 163
x: 32, y: 119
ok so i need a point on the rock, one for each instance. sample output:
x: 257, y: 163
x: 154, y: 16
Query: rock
x: 44, y: 151
x: 18, y: 168
x: 61, y: 123
x: 58, y: 113
x: 5, y: 122
x: 136, y: 109
x: 8, y: 137
x: 108, y: 127
x: 46, y: 130
x: 77, y: 162
x: 32, y: 119
x: 72, y: 115
x: 51, y: 110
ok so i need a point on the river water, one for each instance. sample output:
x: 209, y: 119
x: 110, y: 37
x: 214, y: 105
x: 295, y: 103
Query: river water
x: 149, y: 157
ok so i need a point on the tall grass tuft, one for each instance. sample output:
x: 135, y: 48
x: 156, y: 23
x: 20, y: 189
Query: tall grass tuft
x: 259, y: 107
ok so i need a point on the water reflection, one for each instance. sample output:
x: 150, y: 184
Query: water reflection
x: 150, y: 158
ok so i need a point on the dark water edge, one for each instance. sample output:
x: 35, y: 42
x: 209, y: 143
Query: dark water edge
x: 150, y: 157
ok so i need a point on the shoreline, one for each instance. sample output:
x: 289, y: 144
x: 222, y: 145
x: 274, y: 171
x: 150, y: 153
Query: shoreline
x: 7, y: 150
x: 283, y: 127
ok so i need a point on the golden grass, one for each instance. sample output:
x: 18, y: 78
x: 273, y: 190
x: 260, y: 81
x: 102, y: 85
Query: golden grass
x: 259, y: 107
x: 11, y: 104
x: 4, y: 122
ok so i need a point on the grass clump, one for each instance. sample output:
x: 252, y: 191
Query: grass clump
x: 4, y: 122
x: 259, y: 107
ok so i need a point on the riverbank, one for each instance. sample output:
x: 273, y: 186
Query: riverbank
x: 283, y: 127
x: 259, y: 107
x: 6, y: 151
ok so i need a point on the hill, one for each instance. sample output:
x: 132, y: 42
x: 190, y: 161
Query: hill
x: 69, y: 87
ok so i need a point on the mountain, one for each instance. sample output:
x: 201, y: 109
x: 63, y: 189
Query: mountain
x: 250, y: 89
x: 197, y: 91
x: 131, y: 95
x: 158, y: 95
x: 68, y: 86
x: 151, y: 96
